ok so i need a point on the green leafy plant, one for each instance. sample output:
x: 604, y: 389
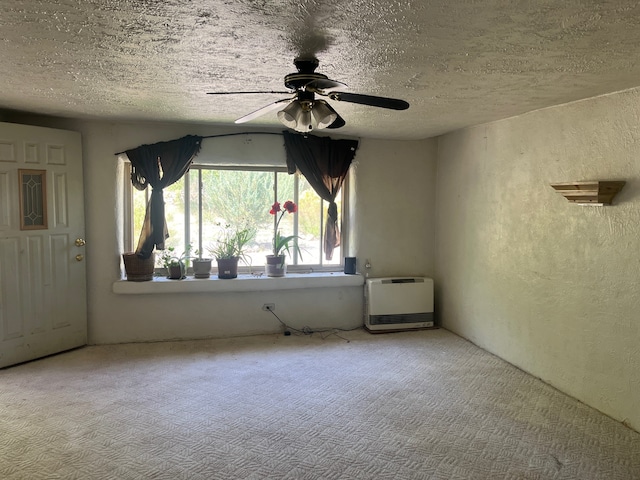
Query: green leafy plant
x: 232, y: 243
x: 282, y: 243
x: 169, y: 258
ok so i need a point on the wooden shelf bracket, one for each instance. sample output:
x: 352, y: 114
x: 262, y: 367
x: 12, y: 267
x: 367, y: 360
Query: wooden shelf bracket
x: 596, y: 193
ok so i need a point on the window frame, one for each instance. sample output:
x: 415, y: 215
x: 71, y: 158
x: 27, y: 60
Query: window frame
x: 129, y: 236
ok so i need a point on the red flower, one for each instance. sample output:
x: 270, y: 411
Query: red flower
x: 275, y: 208
x: 290, y: 207
x: 281, y: 243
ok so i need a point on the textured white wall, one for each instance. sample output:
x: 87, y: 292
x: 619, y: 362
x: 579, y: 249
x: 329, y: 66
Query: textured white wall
x: 550, y: 286
x: 393, y: 194
x: 123, y: 318
x: 113, y: 318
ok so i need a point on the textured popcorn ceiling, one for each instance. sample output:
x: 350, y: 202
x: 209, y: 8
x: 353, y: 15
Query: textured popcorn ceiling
x: 458, y: 62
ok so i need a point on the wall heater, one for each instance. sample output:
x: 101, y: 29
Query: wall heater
x: 398, y: 303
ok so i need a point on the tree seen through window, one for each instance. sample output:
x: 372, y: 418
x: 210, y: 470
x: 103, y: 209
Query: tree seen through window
x: 239, y: 199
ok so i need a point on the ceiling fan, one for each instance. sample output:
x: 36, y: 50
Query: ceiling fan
x: 301, y: 110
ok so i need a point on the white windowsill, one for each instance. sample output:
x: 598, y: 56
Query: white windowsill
x: 244, y: 283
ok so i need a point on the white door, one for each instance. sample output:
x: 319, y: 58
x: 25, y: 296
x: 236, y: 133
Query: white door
x: 43, y: 306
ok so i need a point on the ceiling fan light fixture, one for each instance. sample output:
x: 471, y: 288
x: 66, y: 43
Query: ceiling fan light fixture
x: 303, y: 121
x: 323, y: 114
x: 288, y: 115
x: 297, y: 116
x: 304, y: 115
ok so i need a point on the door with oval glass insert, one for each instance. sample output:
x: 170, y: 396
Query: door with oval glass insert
x: 42, y: 249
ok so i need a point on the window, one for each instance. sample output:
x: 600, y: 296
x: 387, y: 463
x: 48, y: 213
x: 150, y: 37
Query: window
x: 209, y: 197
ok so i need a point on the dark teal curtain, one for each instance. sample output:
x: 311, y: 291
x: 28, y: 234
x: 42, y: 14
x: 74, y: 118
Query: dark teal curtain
x: 324, y: 163
x: 159, y: 165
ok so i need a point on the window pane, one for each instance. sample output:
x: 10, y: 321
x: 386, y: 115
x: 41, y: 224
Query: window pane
x: 239, y: 199
x: 286, y: 191
x: 174, y: 213
x: 312, y: 220
x: 194, y: 217
x: 139, y: 198
x: 309, y: 218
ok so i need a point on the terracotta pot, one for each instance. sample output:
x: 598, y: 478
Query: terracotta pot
x: 276, y: 266
x: 201, y: 267
x: 228, y: 267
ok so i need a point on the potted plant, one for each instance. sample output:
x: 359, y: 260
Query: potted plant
x: 276, y: 266
x: 201, y: 266
x: 229, y: 250
x: 176, y: 265
x: 138, y: 269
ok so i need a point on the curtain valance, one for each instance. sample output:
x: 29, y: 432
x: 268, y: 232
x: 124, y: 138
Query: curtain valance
x: 159, y: 165
x: 324, y: 163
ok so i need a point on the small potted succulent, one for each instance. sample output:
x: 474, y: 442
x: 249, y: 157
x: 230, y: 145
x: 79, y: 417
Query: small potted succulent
x: 229, y: 250
x: 176, y: 265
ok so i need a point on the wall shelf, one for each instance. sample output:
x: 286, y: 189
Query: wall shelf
x: 596, y: 193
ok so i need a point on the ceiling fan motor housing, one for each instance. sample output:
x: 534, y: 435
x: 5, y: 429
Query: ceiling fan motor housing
x: 306, y: 65
x: 297, y: 81
x: 305, y: 74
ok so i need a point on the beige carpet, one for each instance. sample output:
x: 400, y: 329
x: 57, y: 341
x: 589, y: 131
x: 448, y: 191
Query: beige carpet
x: 412, y: 405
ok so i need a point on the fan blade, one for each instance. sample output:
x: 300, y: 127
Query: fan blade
x: 384, y: 102
x: 338, y: 123
x: 266, y: 109
x: 242, y: 93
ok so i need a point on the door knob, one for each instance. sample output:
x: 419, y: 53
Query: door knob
x: 79, y: 257
x: 80, y: 242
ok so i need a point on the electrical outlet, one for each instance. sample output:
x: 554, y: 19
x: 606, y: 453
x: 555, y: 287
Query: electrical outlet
x: 269, y: 307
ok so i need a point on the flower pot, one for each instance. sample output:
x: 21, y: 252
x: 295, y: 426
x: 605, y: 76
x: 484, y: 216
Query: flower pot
x: 175, y: 272
x: 138, y: 269
x: 228, y: 267
x: 276, y: 267
x: 201, y: 267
